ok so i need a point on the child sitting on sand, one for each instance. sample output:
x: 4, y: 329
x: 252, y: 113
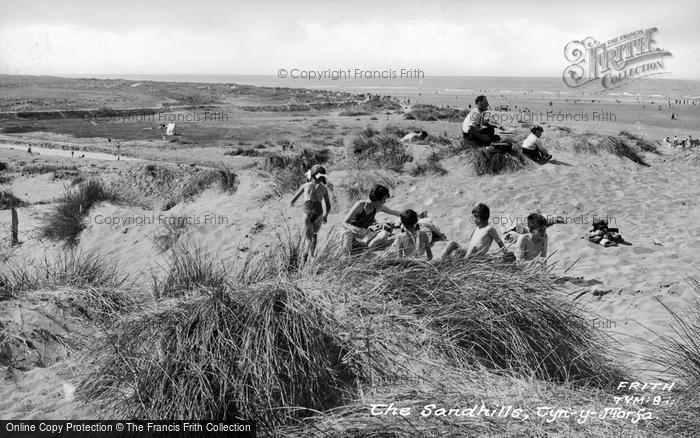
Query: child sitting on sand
x: 314, y: 191
x: 412, y: 242
x: 532, y: 146
x: 533, y: 244
x: 480, y: 239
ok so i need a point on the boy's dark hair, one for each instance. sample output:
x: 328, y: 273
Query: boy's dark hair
x: 536, y: 128
x: 536, y: 220
x: 409, y: 219
x: 482, y: 211
x: 317, y: 169
x: 378, y: 193
x: 480, y: 99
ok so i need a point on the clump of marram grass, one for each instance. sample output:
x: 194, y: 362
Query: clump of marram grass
x: 642, y: 143
x: 67, y: 219
x: 287, y: 171
x: 383, y: 150
x: 502, y: 317
x: 618, y: 146
x: 356, y: 184
x: 271, y: 352
x: 428, y: 166
x: 189, y: 268
x: 223, y: 176
x: 15, y: 279
x: 679, y: 355
x: 86, y: 271
x: 591, y: 144
x: 81, y: 269
x: 439, y: 387
x: 585, y: 145
x: 488, y: 161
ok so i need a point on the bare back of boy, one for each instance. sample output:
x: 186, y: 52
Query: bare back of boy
x: 481, y: 240
x: 314, y: 195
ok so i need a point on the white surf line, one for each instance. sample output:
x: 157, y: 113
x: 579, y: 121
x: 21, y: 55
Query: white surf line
x: 66, y: 153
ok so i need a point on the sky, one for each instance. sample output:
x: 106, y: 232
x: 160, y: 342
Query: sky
x: 441, y: 38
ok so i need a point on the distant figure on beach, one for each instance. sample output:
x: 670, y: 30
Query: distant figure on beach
x: 480, y: 240
x: 412, y: 242
x: 314, y: 191
x: 532, y: 146
x: 72, y: 152
x: 675, y: 140
x: 29, y: 150
x: 357, y: 234
x: 475, y: 128
x: 533, y: 244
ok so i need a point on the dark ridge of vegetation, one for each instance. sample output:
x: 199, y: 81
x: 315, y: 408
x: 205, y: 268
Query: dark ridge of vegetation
x: 432, y: 113
x: 243, y: 152
x: 642, y: 143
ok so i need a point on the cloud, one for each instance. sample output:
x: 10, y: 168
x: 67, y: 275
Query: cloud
x: 508, y: 47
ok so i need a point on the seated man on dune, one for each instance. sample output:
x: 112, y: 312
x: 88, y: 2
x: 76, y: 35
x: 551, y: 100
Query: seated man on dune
x: 532, y: 146
x: 475, y: 128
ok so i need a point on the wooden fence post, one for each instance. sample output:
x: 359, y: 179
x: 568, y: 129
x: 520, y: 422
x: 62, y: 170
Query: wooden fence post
x: 15, y: 240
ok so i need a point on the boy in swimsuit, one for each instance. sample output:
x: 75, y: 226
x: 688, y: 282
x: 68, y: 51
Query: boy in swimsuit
x: 411, y: 242
x: 480, y: 239
x: 533, y: 244
x: 357, y: 234
x: 314, y: 191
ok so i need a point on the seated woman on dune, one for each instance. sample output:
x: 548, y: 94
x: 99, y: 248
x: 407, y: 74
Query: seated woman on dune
x: 532, y: 146
x: 357, y: 234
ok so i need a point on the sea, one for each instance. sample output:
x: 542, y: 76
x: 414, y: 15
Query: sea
x: 448, y: 89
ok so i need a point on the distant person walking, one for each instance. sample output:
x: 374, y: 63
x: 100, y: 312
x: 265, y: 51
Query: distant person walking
x: 475, y: 128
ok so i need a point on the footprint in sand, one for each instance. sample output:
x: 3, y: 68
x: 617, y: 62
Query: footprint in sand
x: 642, y: 250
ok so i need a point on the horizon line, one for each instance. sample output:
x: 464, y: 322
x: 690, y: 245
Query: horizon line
x: 273, y: 76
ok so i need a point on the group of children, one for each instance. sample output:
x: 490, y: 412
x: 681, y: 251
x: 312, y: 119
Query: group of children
x: 418, y: 233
